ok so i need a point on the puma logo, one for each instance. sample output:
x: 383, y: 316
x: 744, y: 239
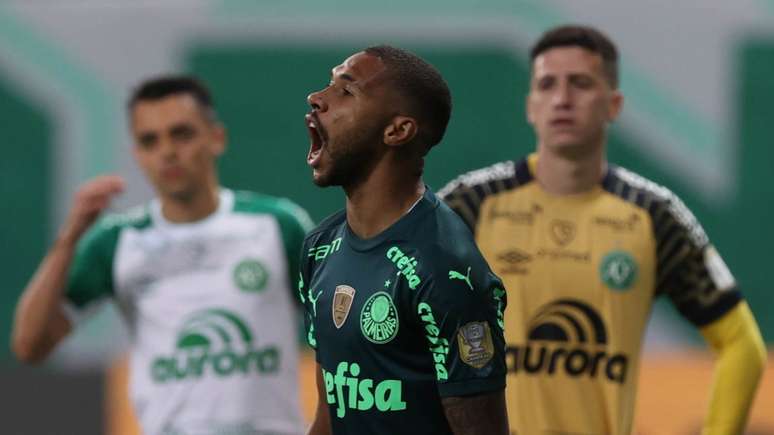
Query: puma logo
x: 453, y: 274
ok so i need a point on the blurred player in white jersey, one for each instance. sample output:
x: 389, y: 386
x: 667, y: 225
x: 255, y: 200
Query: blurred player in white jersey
x: 202, y: 276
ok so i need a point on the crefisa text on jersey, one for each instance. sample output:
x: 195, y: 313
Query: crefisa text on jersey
x: 439, y: 346
x: 362, y: 394
x: 406, y: 265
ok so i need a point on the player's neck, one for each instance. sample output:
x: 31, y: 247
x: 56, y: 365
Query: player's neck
x: 380, y: 201
x: 198, y: 206
x: 567, y: 173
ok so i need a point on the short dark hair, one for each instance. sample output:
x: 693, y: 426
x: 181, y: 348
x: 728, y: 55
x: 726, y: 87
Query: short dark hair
x: 586, y: 37
x: 423, y: 87
x: 161, y: 87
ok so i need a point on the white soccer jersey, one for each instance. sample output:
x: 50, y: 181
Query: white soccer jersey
x: 210, y: 312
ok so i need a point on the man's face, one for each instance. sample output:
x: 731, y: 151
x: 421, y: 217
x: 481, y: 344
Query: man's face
x: 347, y: 121
x: 570, y: 101
x: 176, y: 144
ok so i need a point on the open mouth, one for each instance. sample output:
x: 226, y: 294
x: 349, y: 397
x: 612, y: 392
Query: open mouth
x: 317, y: 139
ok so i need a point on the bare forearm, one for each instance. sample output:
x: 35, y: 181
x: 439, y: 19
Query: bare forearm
x: 321, y: 425
x: 477, y: 415
x: 39, y: 322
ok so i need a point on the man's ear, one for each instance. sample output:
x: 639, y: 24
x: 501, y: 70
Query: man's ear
x: 616, y: 104
x: 530, y: 109
x: 219, y: 138
x: 401, y: 130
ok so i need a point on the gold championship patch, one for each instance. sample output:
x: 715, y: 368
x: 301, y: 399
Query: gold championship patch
x: 475, y: 343
x: 342, y: 302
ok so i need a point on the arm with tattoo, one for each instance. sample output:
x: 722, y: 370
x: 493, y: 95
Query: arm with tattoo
x: 477, y: 415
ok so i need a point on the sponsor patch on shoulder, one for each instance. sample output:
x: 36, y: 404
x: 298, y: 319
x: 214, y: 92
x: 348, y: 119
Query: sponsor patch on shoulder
x: 475, y: 344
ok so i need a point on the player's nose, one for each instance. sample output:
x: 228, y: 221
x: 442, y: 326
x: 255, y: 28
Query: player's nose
x: 562, y: 97
x: 316, y: 101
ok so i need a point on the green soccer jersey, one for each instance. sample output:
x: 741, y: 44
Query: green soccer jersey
x: 401, y: 320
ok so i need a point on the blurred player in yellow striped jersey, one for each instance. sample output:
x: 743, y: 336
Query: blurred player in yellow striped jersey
x: 584, y: 247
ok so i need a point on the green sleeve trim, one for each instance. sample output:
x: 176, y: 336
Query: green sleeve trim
x: 91, y: 273
x: 294, y: 223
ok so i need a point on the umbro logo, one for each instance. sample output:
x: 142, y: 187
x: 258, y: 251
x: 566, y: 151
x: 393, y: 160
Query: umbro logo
x: 514, y: 256
x: 513, y: 261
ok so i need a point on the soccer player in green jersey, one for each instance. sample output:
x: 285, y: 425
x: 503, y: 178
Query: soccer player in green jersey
x: 202, y: 275
x: 403, y: 312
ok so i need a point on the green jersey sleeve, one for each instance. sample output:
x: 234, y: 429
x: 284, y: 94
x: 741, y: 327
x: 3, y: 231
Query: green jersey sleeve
x: 91, y: 272
x: 460, y: 310
x: 294, y: 222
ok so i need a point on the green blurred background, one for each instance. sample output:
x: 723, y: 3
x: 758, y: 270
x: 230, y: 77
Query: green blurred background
x: 260, y: 93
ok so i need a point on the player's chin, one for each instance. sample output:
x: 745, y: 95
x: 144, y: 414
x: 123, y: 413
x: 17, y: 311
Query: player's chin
x: 326, y: 178
x: 179, y: 191
x: 566, y: 143
x: 320, y: 178
x: 561, y: 139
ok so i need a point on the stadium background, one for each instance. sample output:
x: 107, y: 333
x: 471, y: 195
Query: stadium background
x: 697, y: 76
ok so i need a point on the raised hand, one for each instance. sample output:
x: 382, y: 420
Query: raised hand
x: 88, y: 203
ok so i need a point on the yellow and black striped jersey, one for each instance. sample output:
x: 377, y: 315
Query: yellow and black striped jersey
x: 581, y: 273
